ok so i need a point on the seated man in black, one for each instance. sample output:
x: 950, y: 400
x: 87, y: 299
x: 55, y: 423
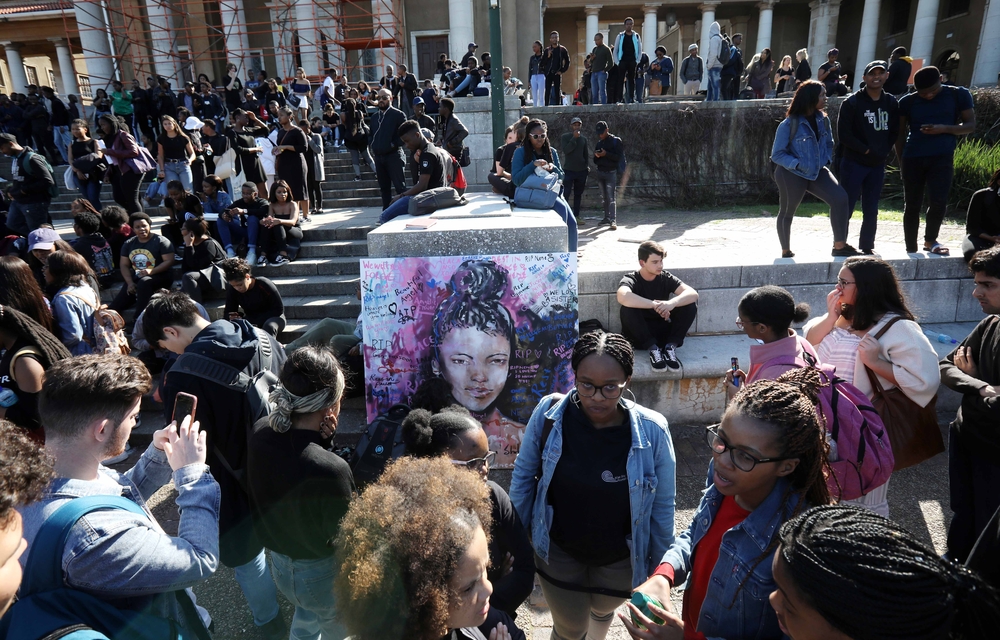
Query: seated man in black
x: 649, y: 319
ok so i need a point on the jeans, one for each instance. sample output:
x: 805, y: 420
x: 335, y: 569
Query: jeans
x: 389, y: 171
x: 553, y: 89
x: 234, y: 229
x: 258, y: 588
x: 337, y: 334
x: 62, y: 139
x: 640, y: 88
x: 125, y: 189
x: 398, y: 208
x: 974, y: 492
x: 645, y: 328
x: 607, y: 182
x: 22, y: 219
x: 356, y: 160
x: 91, y: 191
x: 574, y: 184
x: 792, y: 188
x: 308, y: 584
x: 538, y: 89
x: 562, y: 208
x: 599, y: 87
x: 865, y: 182
x: 714, y: 81
x: 178, y: 170
x: 933, y: 173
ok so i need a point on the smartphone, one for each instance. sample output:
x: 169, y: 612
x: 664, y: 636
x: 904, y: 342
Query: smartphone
x: 185, y: 404
x: 735, y: 363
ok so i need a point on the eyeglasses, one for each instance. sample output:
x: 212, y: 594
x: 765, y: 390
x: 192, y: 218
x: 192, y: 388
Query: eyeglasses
x: 609, y: 391
x: 740, y: 458
x: 477, y: 464
x: 844, y: 283
x: 739, y: 324
x: 538, y: 136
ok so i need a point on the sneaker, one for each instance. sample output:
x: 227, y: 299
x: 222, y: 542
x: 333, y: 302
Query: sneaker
x: 869, y: 252
x: 280, y: 261
x: 845, y: 252
x: 614, y: 225
x: 262, y: 261
x: 670, y: 355
x: 178, y: 257
x: 121, y: 457
x: 656, y: 358
x: 357, y: 178
x: 604, y: 221
x: 276, y: 629
x: 251, y: 257
x: 230, y: 252
x: 580, y: 222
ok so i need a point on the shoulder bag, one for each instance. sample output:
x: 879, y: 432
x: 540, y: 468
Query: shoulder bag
x: 538, y: 192
x: 429, y: 201
x: 913, y: 430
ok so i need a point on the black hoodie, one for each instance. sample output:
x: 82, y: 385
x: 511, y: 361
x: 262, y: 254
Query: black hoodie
x: 868, y: 125
x: 224, y: 417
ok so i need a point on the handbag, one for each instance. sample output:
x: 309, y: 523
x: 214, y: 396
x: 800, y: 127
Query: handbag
x: 913, y: 430
x: 225, y: 164
x: 464, y: 159
x: 294, y: 101
x: 538, y: 192
x: 429, y: 201
x: 69, y: 179
x: 655, y: 87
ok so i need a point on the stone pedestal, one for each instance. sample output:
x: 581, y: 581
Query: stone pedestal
x: 476, y: 114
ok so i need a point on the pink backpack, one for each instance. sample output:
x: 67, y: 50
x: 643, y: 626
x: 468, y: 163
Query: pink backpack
x: 864, y: 455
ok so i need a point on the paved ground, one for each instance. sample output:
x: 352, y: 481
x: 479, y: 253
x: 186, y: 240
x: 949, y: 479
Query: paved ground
x: 918, y: 497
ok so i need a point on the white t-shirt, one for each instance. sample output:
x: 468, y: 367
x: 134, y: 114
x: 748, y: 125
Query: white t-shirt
x: 328, y: 87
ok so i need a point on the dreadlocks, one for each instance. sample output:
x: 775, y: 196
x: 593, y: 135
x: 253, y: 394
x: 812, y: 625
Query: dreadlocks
x: 598, y: 342
x: 17, y: 324
x: 870, y: 578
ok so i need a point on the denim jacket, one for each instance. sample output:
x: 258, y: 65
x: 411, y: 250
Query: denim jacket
x: 126, y: 559
x: 651, y: 469
x: 73, y: 309
x: 750, y: 616
x: 804, y: 155
x: 520, y: 169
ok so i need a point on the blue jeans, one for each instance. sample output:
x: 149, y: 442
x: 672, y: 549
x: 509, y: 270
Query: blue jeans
x: 91, y: 190
x: 640, y: 87
x: 308, y: 584
x: 862, y: 181
x: 234, y: 229
x: 258, y: 588
x: 599, y: 87
x: 62, y: 139
x: 398, y: 208
x: 714, y: 82
x: 22, y: 219
x: 562, y: 208
x: 607, y: 182
x: 178, y: 170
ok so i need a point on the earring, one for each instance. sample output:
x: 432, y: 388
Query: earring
x: 624, y: 402
x: 574, y: 397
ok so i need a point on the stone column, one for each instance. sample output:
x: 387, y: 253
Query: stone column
x: 95, y: 45
x: 987, y: 64
x: 867, y: 39
x: 922, y: 45
x: 18, y: 79
x: 707, y: 18
x: 162, y: 38
x: 281, y: 35
x: 593, y: 10
x: 460, y: 29
x: 649, y: 30
x: 305, y: 25
x: 235, y: 32
x: 67, y: 74
x: 823, y: 18
x: 764, y: 26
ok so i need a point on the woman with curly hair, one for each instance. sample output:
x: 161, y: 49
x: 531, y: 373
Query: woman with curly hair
x: 413, y: 554
x: 769, y: 463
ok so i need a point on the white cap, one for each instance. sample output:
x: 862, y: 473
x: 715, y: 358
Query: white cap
x: 193, y: 123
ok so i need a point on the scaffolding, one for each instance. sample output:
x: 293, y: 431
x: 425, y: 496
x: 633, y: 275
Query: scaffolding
x: 182, y: 40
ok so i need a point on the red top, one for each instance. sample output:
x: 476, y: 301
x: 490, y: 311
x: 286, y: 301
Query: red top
x: 703, y: 559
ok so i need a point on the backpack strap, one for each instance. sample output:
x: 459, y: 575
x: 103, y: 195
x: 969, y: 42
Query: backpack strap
x: 206, y: 368
x: 43, y: 569
x: 89, y: 303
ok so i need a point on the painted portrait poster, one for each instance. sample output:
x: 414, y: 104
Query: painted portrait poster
x: 499, y: 330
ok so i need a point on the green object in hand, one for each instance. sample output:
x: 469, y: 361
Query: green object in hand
x: 641, y: 602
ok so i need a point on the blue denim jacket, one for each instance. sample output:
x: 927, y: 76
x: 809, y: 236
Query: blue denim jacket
x: 651, y: 469
x: 520, y: 170
x: 805, y: 155
x: 729, y: 611
x: 126, y: 559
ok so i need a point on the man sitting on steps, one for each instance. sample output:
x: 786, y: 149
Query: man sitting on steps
x: 649, y: 319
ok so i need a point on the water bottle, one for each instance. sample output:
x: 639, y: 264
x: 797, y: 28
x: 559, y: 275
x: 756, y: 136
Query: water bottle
x: 943, y: 338
x: 7, y: 398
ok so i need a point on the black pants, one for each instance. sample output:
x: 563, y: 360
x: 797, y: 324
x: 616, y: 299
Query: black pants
x: 933, y: 173
x: 274, y: 325
x: 172, y: 232
x: 144, y: 289
x: 125, y: 189
x: 645, y: 328
x: 729, y: 87
x: 277, y: 239
x: 501, y: 185
x: 195, y: 284
x: 389, y: 171
x: 315, y: 192
x: 575, y: 183
x: 553, y: 89
x: 975, y: 494
x: 628, y: 80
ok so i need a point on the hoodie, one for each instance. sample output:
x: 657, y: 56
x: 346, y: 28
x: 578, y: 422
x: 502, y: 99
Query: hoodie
x: 868, y: 128
x: 899, y: 76
x: 715, y: 44
x: 223, y: 415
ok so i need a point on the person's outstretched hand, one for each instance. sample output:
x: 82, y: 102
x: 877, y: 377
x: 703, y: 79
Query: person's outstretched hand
x: 185, y: 445
x: 671, y: 629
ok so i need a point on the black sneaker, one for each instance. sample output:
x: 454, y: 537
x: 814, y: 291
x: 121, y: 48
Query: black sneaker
x: 869, y: 252
x: 845, y: 252
x: 670, y: 357
x: 656, y: 358
x: 604, y: 222
x: 276, y: 629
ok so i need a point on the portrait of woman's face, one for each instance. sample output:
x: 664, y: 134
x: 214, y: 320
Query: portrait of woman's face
x: 475, y: 363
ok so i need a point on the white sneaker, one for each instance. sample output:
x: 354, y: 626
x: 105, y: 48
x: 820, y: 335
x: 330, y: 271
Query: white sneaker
x: 230, y: 252
x: 121, y: 457
x: 252, y: 257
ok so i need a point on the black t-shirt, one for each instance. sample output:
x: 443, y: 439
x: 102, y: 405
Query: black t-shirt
x: 332, y: 119
x: 146, y: 255
x: 202, y: 256
x: 97, y: 252
x: 508, y: 535
x: 173, y: 148
x: 299, y: 491
x: 628, y: 49
x: 660, y: 288
x: 803, y: 71
x: 834, y: 76
x: 24, y: 412
x: 260, y: 303
x: 432, y: 164
x: 591, y: 513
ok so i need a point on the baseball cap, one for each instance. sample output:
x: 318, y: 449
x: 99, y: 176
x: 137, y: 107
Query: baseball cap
x: 418, y: 100
x: 875, y: 64
x: 602, y: 126
x: 42, y: 239
x: 692, y: 47
x: 575, y: 120
x: 833, y: 52
x: 473, y: 45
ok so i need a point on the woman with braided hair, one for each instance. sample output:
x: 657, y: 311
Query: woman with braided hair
x: 845, y: 573
x: 28, y: 350
x: 594, y: 481
x: 299, y: 490
x: 769, y: 463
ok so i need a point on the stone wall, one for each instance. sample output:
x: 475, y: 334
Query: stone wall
x: 476, y: 114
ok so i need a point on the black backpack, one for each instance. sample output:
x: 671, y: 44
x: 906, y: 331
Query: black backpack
x: 381, y: 443
x: 726, y: 50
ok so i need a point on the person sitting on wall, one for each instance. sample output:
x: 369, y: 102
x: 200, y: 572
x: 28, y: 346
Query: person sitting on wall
x: 649, y: 319
x: 435, y: 169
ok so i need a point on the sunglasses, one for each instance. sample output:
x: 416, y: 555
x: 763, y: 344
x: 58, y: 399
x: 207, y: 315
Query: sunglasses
x: 477, y: 464
x: 538, y: 136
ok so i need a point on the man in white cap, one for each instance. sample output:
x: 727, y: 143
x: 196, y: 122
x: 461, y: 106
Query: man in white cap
x: 692, y: 71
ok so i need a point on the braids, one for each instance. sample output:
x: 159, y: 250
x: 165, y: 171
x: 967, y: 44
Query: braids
x: 870, y: 578
x: 15, y: 323
x: 598, y: 342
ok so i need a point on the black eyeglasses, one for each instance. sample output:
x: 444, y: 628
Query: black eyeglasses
x: 609, y: 391
x: 477, y: 464
x: 843, y: 283
x: 741, y: 459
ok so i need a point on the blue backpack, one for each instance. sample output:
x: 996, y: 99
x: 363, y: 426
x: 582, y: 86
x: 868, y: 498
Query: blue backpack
x: 48, y: 609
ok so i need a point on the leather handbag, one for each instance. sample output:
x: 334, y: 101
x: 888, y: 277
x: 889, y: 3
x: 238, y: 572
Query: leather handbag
x: 913, y: 430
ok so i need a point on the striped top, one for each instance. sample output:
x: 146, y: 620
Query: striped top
x: 840, y: 348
